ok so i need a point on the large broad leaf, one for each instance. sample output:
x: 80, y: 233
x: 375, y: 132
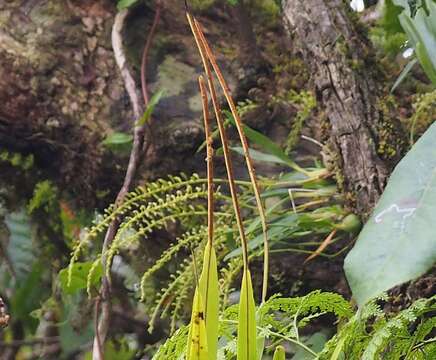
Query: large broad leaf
x: 398, y: 242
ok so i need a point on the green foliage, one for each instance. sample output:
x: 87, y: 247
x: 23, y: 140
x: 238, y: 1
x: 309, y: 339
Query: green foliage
x: 124, y: 4
x: 20, y: 246
x: 279, y: 319
x: 119, y: 142
x: 150, y: 107
x: 305, y: 102
x: 83, y: 275
x: 372, y: 334
x: 279, y: 354
x: 17, y: 159
x: 416, y: 19
x: 421, y: 30
x: 209, y: 289
x: 246, y: 343
x: 44, y: 196
x: 396, y: 244
x: 424, y: 114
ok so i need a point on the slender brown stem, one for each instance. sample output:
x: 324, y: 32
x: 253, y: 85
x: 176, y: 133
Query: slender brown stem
x: 209, y: 54
x: 209, y: 160
x: 223, y: 135
x: 144, y: 90
x: 147, y: 50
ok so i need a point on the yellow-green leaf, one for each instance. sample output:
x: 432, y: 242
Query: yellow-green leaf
x: 210, y: 293
x: 279, y: 354
x: 247, y: 321
x: 197, y: 341
x: 338, y: 350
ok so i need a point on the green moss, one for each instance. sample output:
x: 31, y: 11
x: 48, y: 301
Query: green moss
x: 425, y: 114
x: 389, y: 143
x: 305, y: 102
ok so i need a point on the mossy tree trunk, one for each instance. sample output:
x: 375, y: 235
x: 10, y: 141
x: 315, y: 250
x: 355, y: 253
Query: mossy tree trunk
x: 364, y: 139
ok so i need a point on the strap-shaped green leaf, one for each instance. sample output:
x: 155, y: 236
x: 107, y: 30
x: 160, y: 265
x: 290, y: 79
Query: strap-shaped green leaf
x: 247, y: 343
x: 197, y: 341
x: 210, y: 293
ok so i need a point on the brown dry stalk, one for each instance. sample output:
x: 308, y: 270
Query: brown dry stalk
x: 323, y: 245
x: 223, y: 135
x: 209, y: 54
x: 209, y: 160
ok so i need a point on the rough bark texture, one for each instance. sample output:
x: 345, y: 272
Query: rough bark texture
x: 346, y: 87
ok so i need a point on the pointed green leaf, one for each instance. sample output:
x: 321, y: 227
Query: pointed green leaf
x: 197, y: 340
x: 279, y: 354
x: 266, y: 144
x: 247, y: 342
x: 150, y: 107
x: 406, y: 70
x: 397, y: 243
x: 209, y: 291
x: 338, y: 349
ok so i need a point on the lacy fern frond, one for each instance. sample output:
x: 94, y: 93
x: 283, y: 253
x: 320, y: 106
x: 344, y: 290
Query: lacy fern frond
x: 134, y: 200
x: 372, y: 334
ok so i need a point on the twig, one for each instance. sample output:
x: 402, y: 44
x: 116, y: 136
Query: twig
x: 138, y: 139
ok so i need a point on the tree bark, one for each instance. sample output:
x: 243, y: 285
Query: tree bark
x: 338, y: 56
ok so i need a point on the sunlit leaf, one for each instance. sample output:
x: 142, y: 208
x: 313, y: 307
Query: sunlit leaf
x: 210, y: 293
x: 197, y: 338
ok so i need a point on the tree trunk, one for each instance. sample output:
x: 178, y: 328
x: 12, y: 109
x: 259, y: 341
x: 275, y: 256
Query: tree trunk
x: 345, y: 79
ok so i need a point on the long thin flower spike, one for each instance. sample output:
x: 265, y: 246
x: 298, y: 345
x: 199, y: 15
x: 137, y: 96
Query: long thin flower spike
x: 246, y: 347
x: 223, y: 135
x: 248, y: 160
x: 208, y: 285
